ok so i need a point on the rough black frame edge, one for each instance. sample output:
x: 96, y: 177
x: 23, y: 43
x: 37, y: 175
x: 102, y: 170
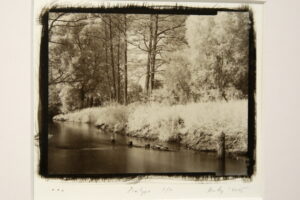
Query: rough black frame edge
x: 133, y: 9
x: 251, y: 97
x: 43, y: 97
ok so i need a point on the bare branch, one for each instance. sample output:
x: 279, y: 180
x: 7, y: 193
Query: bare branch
x: 54, y: 20
x: 171, y: 28
x: 54, y: 42
x: 71, y: 26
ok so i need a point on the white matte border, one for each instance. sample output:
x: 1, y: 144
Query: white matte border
x: 153, y: 187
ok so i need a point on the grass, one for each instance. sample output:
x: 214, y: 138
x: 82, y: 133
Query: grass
x: 197, y: 125
x: 112, y: 116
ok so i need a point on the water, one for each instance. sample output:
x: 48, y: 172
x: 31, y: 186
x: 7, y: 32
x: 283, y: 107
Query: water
x: 77, y: 148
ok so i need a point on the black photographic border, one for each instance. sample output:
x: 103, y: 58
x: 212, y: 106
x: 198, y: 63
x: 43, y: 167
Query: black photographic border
x: 145, y: 9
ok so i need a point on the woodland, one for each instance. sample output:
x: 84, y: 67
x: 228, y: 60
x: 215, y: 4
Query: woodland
x: 158, y: 76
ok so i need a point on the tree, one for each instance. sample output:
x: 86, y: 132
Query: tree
x: 178, y: 77
x: 125, y: 61
x: 112, y: 56
x: 219, y: 51
x: 153, y: 34
x: 78, y: 59
x: 70, y: 99
x: 106, y: 57
x: 54, y: 101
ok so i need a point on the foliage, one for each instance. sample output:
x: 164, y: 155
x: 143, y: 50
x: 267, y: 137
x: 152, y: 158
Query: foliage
x: 197, y: 125
x: 54, y: 101
x: 178, y: 76
x: 70, y: 99
x: 135, y: 92
x: 169, y: 59
x: 113, y: 116
x: 219, y: 51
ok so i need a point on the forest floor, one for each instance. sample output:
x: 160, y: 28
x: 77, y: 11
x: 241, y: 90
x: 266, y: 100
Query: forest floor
x: 197, y: 126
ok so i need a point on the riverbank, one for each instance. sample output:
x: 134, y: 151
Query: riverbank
x: 196, y: 126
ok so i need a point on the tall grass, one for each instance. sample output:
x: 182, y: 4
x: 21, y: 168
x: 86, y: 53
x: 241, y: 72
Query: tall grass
x: 113, y: 116
x: 196, y: 125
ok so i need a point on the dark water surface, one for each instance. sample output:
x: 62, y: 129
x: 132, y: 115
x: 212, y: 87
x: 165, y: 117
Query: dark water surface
x: 77, y: 148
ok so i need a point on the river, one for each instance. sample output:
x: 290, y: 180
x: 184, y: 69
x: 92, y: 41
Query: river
x: 78, y: 148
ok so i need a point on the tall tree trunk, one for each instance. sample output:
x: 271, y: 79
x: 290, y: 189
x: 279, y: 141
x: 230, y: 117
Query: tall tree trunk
x: 149, y: 56
x: 106, y: 62
x: 125, y: 59
x: 118, y: 70
x: 153, y: 53
x: 112, y: 57
x: 107, y: 74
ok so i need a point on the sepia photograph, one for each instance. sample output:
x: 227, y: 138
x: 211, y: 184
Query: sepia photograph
x: 130, y: 91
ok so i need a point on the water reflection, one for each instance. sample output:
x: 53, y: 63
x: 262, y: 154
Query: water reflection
x: 78, y: 148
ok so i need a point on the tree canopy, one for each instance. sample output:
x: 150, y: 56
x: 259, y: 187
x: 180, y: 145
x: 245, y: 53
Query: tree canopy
x: 98, y: 58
